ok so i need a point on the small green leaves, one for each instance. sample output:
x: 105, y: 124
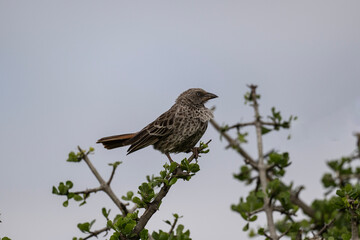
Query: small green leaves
x: 179, y: 234
x: 74, y: 157
x: 105, y: 213
x: 63, y: 188
x: 125, y: 225
x: 146, y: 191
x: 115, y: 164
x: 328, y: 181
x: 242, y: 137
x: 244, y: 175
x: 85, y: 227
x: 144, y: 234
x: 265, y: 130
x: 277, y: 120
x: 189, y: 167
x: 173, y: 181
x: 128, y: 196
x: 248, y: 98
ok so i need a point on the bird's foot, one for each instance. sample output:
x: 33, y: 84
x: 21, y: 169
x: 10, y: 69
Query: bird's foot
x: 168, y: 156
x: 196, y: 151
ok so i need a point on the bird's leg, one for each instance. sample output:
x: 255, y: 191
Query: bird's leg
x: 168, y: 156
x: 195, y: 151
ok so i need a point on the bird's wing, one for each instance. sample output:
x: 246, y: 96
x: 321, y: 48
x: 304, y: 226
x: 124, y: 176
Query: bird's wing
x: 161, y: 127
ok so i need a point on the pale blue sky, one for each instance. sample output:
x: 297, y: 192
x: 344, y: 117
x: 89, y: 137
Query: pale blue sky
x: 74, y: 71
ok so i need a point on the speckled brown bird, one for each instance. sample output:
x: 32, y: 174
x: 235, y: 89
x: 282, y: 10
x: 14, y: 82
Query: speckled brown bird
x: 176, y: 130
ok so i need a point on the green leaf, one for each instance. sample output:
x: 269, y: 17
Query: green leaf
x: 66, y: 203
x: 340, y: 193
x: 348, y: 188
x: 73, y: 157
x: 54, y: 190
x: 77, y: 198
x: 163, y: 236
x: 105, y: 213
x: 85, y: 227
x: 194, y: 167
x: 115, y: 164
x: 265, y: 130
x: 246, y: 227
x: 253, y: 218
x: 261, y: 231
x: 69, y: 184
x: 173, y: 181
x: 144, y: 234
x: 173, y: 166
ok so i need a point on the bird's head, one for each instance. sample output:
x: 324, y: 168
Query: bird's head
x: 195, y: 96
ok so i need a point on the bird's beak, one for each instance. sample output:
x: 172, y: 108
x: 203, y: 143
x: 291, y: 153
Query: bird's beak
x: 209, y: 96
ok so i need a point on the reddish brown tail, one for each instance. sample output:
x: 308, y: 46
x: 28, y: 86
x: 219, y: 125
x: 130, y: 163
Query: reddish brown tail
x: 117, y: 140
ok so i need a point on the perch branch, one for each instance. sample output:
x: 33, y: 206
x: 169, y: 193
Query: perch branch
x: 154, y: 205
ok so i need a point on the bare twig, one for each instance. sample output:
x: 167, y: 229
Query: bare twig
x: 262, y: 167
x: 294, y: 198
x: 173, y: 225
x: 97, y: 232
x: 88, y: 191
x: 239, y: 125
x: 324, y: 228
x: 104, y: 185
x: 112, y: 175
x: 284, y: 233
x: 247, y: 158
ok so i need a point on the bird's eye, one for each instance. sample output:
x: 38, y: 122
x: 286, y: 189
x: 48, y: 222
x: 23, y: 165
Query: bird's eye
x: 198, y: 94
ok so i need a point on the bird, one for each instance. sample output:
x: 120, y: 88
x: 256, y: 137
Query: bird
x: 176, y: 130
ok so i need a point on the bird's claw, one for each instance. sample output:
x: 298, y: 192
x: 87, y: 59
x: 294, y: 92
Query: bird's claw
x: 196, y: 151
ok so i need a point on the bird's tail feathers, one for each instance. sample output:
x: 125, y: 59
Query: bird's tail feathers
x: 117, y: 140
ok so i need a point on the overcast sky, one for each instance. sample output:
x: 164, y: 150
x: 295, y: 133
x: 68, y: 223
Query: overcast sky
x: 72, y: 72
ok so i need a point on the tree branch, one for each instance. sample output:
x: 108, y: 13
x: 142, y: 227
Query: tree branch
x: 154, y: 205
x: 173, y: 225
x: 97, y: 232
x: 103, y: 185
x: 247, y: 158
x: 112, y: 175
x: 239, y: 125
x: 88, y: 191
x: 354, y: 225
x: 262, y: 167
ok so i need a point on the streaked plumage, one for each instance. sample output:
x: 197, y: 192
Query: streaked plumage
x: 176, y: 130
